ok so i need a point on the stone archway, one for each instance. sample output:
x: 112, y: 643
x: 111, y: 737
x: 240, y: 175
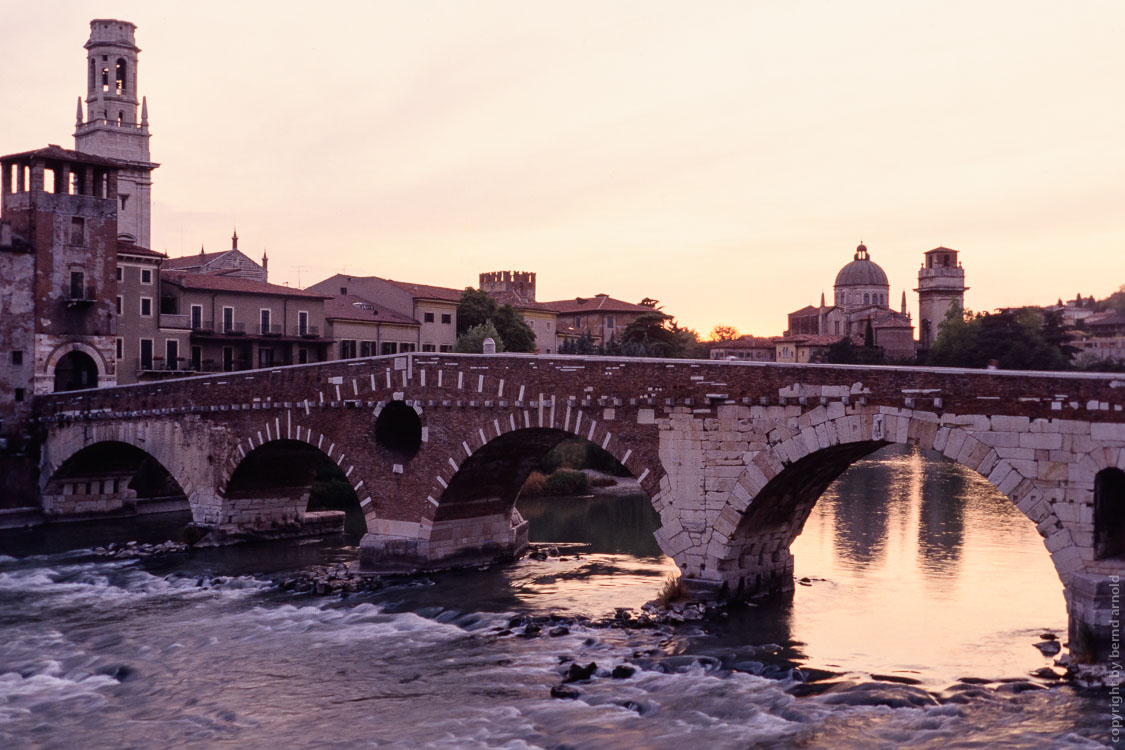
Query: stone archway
x: 76, y: 370
x: 108, y: 477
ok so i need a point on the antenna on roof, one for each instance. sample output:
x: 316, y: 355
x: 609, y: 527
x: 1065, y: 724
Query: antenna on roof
x: 299, y: 269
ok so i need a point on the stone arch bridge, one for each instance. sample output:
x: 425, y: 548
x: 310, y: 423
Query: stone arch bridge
x: 733, y: 455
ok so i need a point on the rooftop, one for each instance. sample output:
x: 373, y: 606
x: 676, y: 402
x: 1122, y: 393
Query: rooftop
x: 215, y: 282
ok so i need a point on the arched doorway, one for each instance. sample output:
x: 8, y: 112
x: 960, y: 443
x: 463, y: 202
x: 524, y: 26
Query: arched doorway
x: 76, y: 371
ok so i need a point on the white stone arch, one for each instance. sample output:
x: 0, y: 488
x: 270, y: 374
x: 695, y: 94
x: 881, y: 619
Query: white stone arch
x: 64, y: 443
x: 105, y: 377
x: 1036, y: 498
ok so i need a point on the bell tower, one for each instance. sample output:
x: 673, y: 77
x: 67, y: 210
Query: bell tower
x: 109, y: 126
x: 941, y: 284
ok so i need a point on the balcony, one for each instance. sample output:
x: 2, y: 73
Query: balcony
x: 159, y: 365
x: 77, y: 296
x: 270, y: 330
x: 234, y: 329
x: 309, y: 332
x: 202, y: 326
x: 182, y: 322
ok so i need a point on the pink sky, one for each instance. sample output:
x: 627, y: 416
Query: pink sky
x: 724, y: 158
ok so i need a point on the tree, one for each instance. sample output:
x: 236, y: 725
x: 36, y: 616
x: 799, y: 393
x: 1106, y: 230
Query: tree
x: 1015, y: 339
x: 845, y: 352
x: 656, y: 334
x: 650, y: 302
x: 475, y: 308
x: 514, y: 330
x: 472, y: 340
x: 724, y: 333
x: 478, y: 307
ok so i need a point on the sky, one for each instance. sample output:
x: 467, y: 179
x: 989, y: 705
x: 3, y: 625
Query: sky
x: 724, y: 158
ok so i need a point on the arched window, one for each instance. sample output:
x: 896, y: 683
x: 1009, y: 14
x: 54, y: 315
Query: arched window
x: 74, y: 371
x: 93, y: 75
x: 866, y: 298
x: 120, y: 118
x: 120, y: 75
x: 1109, y: 513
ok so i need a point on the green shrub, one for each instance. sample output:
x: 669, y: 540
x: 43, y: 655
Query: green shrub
x: 566, y: 482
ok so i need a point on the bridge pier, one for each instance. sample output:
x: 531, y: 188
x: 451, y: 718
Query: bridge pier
x: 402, y: 547
x: 1093, y: 604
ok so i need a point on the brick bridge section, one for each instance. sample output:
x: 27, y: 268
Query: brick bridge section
x: 733, y: 455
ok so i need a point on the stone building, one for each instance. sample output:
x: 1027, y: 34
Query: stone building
x: 139, y: 313
x: 601, y: 317
x: 750, y: 348
x: 222, y: 322
x: 861, y: 298
x: 231, y: 262
x: 361, y: 328
x: 58, y: 253
x: 433, y: 307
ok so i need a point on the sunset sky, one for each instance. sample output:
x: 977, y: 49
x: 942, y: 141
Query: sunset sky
x: 724, y: 158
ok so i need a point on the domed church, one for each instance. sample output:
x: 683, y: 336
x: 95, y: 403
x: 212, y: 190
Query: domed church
x: 861, y: 295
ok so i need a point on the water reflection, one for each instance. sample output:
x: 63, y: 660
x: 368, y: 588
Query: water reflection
x: 622, y: 524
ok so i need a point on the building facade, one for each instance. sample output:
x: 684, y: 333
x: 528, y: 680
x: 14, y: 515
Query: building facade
x: 600, y: 317
x: 517, y: 288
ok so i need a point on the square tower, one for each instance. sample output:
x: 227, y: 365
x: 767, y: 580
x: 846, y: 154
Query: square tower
x: 58, y: 261
x: 110, y: 127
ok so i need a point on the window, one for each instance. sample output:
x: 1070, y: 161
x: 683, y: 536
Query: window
x: 445, y: 348
x: 389, y: 347
x: 302, y: 323
x: 146, y: 307
x: 119, y: 298
x: 228, y: 359
x: 366, y: 348
x: 228, y: 319
x: 406, y: 348
x: 265, y: 357
x: 446, y: 318
x: 428, y: 317
x: 17, y: 357
x: 609, y: 321
x: 19, y: 394
x: 120, y: 348
x: 172, y: 353
x: 146, y: 354
x: 77, y: 231
x: 264, y: 316
x: 197, y: 358
x: 146, y: 275
x: 427, y: 347
x: 302, y: 356
x: 196, y: 317
x: 77, y: 282
x: 120, y: 273
x: 343, y: 290
x: 124, y: 199
x: 347, y: 349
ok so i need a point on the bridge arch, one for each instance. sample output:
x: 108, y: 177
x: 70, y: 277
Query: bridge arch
x: 267, y: 482
x: 106, y: 477
x: 471, y: 510
x: 748, y: 547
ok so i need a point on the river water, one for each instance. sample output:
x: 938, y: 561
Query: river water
x: 912, y: 570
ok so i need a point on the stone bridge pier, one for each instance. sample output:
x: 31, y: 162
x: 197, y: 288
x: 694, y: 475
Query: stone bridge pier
x: 733, y: 455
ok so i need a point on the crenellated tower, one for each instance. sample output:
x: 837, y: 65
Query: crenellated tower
x: 110, y: 127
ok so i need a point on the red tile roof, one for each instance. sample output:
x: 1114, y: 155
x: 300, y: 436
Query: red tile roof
x: 599, y: 303
x: 64, y: 154
x: 198, y: 260
x: 128, y: 248
x: 351, y: 307
x: 221, y: 283
x: 425, y: 291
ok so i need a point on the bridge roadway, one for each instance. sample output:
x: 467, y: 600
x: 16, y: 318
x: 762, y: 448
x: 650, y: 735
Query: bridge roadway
x: 733, y: 454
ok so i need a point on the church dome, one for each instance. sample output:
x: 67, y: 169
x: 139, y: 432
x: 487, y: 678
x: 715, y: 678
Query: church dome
x: 862, y: 271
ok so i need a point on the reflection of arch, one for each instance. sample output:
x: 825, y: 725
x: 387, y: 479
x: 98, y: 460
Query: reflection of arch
x: 76, y: 370
x: 773, y: 497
